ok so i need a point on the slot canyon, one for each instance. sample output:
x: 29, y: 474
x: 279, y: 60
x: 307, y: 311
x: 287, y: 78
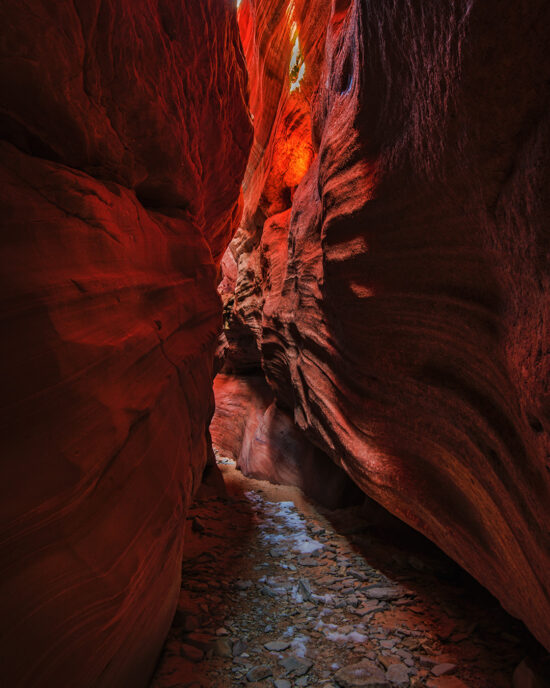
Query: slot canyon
x: 276, y: 343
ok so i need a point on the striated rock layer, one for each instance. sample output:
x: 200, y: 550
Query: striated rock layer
x: 398, y: 302
x: 125, y: 136
x: 262, y: 438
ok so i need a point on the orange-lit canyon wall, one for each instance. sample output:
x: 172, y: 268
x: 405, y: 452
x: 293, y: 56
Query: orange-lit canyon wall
x: 125, y: 134
x: 397, y: 299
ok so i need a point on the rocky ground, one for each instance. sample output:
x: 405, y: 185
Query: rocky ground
x: 279, y: 593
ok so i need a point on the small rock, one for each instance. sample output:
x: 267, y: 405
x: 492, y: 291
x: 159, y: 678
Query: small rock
x: 243, y: 584
x: 277, y: 645
x: 304, y: 588
x: 388, y: 644
x: 222, y: 647
x: 197, y: 525
x: 272, y: 592
x: 426, y: 660
x: 359, y: 575
x: 276, y: 552
x: 239, y: 646
x: 242, y: 662
x: 382, y: 593
x: 388, y: 660
x: 282, y: 683
x: 364, y: 674
x: 195, y: 654
x: 309, y: 561
x: 302, y: 681
x: 296, y: 665
x: 442, y: 669
x: 368, y: 607
x: 258, y: 673
x: 398, y: 675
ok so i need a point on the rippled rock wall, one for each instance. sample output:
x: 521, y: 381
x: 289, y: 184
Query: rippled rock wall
x: 125, y: 135
x: 397, y: 297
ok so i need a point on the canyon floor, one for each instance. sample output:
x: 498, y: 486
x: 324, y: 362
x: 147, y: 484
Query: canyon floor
x: 280, y: 592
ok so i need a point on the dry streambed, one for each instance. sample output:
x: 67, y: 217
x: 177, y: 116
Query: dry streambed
x: 278, y: 593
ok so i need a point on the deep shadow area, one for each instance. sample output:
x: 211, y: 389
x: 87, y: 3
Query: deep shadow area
x: 372, y: 589
x: 461, y: 613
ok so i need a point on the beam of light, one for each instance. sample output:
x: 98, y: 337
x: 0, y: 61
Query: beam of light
x: 297, y: 67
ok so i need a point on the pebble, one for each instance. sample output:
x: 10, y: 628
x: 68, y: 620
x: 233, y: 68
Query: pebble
x: 282, y: 683
x: 296, y: 665
x: 442, y: 669
x: 258, y: 673
x: 277, y: 645
x: 243, y: 584
x: 304, y: 588
x: 398, y: 675
x: 222, y: 647
x: 382, y: 593
x: 388, y: 644
x: 239, y: 647
x: 191, y: 652
x: 363, y: 674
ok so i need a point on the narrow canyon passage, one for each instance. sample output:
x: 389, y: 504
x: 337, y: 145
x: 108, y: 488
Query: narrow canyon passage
x: 304, y: 243
x: 278, y: 591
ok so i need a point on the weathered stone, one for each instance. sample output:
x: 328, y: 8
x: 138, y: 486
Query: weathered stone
x: 191, y: 652
x: 383, y: 593
x: 222, y: 647
x: 297, y: 666
x: 282, y: 683
x: 276, y: 645
x: 258, y: 673
x: 363, y: 674
x: 442, y: 669
x: 398, y: 675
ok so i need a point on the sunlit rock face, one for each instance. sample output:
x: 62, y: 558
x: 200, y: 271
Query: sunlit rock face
x: 399, y: 300
x: 125, y: 137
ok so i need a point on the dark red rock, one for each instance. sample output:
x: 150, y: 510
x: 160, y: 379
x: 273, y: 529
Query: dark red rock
x: 125, y: 136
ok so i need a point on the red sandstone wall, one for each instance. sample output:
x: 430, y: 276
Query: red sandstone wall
x: 125, y: 137
x: 262, y: 438
x: 400, y: 309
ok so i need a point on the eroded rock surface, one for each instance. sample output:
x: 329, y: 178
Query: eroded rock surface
x: 276, y: 587
x: 262, y: 438
x: 398, y: 297
x: 119, y: 122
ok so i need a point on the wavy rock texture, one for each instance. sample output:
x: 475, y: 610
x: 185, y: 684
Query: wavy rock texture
x: 125, y: 136
x: 400, y: 308
x: 249, y: 427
